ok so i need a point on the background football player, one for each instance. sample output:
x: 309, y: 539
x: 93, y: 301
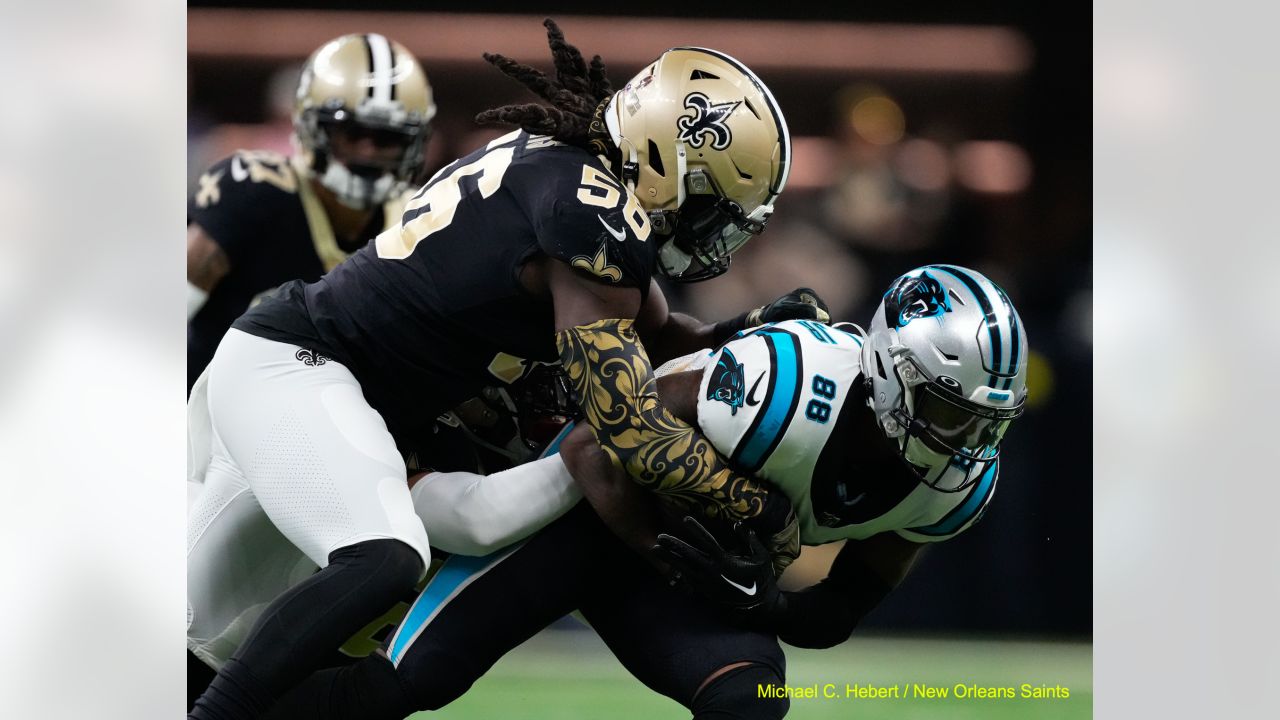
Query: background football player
x: 362, y: 119
x: 888, y: 441
x: 540, y: 247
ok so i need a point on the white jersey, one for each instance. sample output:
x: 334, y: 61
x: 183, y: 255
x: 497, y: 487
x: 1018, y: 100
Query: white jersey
x: 769, y: 400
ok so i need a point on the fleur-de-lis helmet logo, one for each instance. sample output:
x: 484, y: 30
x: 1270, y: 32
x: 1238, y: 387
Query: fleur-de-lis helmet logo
x: 707, y: 121
x: 598, y: 265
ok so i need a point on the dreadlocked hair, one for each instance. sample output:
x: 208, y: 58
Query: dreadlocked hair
x: 578, y: 95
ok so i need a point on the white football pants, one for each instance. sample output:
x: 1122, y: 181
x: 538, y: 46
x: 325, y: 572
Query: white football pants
x: 295, y: 464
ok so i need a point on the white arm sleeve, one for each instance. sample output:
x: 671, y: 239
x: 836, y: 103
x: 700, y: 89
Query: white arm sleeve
x: 195, y: 300
x: 469, y: 514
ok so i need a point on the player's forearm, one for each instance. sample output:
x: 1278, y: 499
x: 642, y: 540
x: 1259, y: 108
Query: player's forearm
x: 826, y: 614
x: 615, y: 385
x: 626, y: 509
x: 469, y: 514
x: 816, y: 618
x: 680, y: 335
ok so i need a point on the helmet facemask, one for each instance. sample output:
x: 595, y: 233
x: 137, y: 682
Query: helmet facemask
x: 933, y: 422
x: 704, y: 147
x: 362, y: 185
x: 354, y: 89
x: 945, y: 363
x: 706, y: 230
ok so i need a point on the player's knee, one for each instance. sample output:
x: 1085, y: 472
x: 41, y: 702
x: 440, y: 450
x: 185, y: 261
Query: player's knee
x: 391, y: 567
x: 434, y: 673
x: 434, y: 682
x: 745, y: 693
x: 438, y: 695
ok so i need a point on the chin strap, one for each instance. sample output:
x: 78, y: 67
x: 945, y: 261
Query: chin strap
x: 355, y: 191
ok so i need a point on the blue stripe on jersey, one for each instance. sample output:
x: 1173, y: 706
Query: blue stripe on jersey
x: 456, y: 572
x: 554, y: 447
x: 780, y: 402
x: 967, y: 510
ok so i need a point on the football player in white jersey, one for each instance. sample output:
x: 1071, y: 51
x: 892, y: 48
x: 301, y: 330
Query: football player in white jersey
x: 888, y: 440
x: 936, y: 383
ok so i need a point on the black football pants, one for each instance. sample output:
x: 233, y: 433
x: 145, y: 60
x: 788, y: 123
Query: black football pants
x: 474, y: 612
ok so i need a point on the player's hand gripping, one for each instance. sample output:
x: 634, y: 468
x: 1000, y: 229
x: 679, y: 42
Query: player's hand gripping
x: 782, y: 543
x: 799, y: 304
x: 740, y: 579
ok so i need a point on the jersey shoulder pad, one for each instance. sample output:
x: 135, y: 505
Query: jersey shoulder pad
x: 242, y: 196
x: 393, y: 209
x: 586, y: 217
x: 967, y: 510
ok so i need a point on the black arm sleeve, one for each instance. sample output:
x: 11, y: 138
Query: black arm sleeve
x: 825, y: 615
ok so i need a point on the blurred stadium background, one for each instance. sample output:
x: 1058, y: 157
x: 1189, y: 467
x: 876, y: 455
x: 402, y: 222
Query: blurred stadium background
x: 926, y: 133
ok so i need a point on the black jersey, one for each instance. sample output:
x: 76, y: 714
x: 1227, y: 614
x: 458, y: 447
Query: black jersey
x: 433, y: 309
x: 256, y: 207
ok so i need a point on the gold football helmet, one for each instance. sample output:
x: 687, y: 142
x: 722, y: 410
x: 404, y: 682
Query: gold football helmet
x: 706, y: 151
x: 363, y: 86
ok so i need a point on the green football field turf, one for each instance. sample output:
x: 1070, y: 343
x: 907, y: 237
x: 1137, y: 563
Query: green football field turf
x: 570, y: 675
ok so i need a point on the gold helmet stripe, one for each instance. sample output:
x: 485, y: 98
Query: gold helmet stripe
x: 380, y: 87
x: 784, y: 156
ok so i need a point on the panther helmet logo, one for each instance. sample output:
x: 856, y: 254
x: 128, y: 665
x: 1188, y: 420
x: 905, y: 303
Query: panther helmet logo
x: 708, y: 119
x: 915, y: 297
x: 726, y: 381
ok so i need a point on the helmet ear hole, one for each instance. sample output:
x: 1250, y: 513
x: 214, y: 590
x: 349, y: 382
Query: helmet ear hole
x: 880, y: 367
x: 655, y: 159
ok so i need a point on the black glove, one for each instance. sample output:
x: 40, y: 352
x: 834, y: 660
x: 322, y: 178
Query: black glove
x: 740, y: 580
x: 776, y: 523
x: 799, y: 304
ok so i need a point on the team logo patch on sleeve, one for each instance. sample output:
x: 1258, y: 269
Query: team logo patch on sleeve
x: 726, y: 382
x: 708, y: 120
x: 915, y: 297
x: 209, y: 194
x: 598, y: 265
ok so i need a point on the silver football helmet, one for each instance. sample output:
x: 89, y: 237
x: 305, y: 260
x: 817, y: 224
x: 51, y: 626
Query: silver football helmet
x: 946, y: 368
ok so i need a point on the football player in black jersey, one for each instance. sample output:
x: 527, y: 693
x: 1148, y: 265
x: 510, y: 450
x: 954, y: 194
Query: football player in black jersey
x: 542, y: 246
x: 257, y: 219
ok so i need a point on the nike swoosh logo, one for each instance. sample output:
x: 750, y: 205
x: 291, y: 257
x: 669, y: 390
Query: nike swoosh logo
x: 751, y: 394
x: 618, y: 235
x: 238, y: 173
x: 748, y: 590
